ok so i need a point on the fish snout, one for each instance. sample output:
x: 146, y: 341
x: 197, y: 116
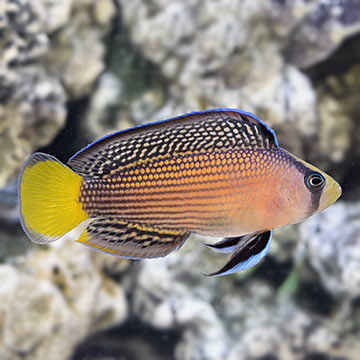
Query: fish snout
x: 331, y: 194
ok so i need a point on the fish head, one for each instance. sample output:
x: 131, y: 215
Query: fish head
x: 330, y: 192
x: 312, y: 190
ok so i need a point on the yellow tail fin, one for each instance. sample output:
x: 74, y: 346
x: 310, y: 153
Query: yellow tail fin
x: 49, y: 198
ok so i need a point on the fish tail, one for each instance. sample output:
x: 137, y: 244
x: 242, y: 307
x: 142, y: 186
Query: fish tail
x: 49, y: 198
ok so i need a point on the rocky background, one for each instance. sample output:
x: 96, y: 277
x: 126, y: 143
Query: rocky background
x: 74, y: 70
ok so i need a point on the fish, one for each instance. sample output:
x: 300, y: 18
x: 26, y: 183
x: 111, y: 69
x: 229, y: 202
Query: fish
x: 140, y: 193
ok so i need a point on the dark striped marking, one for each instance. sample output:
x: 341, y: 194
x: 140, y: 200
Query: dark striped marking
x: 197, y: 132
x: 132, y: 240
x: 315, y: 195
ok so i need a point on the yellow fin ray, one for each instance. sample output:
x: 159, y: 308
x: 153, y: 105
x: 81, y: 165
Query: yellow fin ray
x: 49, y: 197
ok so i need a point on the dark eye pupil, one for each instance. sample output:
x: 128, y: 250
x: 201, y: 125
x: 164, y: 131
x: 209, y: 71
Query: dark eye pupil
x: 315, y: 181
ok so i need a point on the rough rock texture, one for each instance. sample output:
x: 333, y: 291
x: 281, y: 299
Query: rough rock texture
x: 214, y: 62
x: 293, y: 63
x: 323, y: 27
x: 32, y: 100
x: 256, y: 315
x: 250, y: 54
x: 52, y: 298
x: 260, y: 56
x: 44, y: 46
x: 163, y: 300
x: 338, y: 107
x: 331, y: 242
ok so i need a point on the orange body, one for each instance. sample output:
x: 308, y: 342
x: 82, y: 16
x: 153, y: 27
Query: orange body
x: 218, y: 193
x: 140, y: 193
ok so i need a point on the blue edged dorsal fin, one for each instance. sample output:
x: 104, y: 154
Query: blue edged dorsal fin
x: 197, y: 131
x: 249, y: 251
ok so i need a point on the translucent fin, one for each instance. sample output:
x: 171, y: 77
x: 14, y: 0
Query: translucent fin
x: 197, y: 131
x: 116, y: 237
x: 49, y: 198
x: 250, y: 250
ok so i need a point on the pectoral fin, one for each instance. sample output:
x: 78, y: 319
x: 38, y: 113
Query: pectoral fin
x: 248, y: 252
x: 226, y: 245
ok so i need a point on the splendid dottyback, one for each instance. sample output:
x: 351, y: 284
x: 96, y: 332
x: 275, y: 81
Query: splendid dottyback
x: 140, y: 193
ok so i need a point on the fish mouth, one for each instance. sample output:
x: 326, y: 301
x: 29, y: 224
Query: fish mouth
x: 332, y: 193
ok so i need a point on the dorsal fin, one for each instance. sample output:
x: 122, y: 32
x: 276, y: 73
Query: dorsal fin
x: 198, y: 131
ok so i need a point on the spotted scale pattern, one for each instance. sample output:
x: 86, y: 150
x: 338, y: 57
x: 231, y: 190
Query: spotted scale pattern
x: 187, y: 191
x: 205, y: 133
x: 140, y: 193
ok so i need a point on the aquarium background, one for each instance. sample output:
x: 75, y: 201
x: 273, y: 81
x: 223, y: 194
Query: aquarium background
x: 72, y: 71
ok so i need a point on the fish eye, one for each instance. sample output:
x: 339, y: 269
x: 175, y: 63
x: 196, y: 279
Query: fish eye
x: 314, y: 181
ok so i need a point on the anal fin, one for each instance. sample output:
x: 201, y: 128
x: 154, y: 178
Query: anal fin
x: 249, y: 250
x: 117, y: 237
